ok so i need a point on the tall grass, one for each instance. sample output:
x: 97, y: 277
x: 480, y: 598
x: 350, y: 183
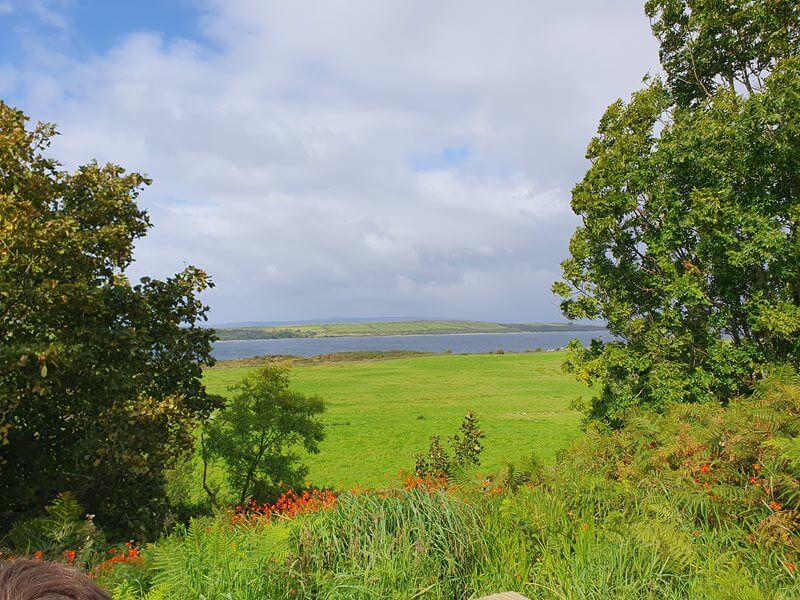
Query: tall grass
x: 382, y: 545
x: 210, y: 559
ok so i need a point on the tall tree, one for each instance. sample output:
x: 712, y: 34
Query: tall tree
x: 100, y: 383
x: 690, y: 211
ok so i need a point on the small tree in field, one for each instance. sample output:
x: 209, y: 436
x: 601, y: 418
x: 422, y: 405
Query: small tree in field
x: 258, y: 432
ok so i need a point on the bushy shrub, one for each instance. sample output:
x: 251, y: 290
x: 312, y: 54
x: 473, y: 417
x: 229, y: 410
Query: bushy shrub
x: 257, y: 434
x: 465, y: 448
x: 687, y: 245
x: 100, y: 378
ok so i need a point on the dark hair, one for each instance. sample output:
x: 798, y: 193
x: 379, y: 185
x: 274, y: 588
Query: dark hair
x: 40, y: 580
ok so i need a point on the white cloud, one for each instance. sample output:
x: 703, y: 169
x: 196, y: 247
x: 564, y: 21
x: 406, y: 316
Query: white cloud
x: 283, y: 154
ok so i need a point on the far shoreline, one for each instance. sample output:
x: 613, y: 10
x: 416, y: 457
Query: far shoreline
x: 346, y: 335
x: 385, y: 329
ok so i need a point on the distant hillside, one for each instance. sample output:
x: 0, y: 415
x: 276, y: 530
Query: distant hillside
x: 392, y: 328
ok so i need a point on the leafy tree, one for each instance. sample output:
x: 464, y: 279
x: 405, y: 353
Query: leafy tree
x: 100, y: 380
x: 689, y: 245
x: 258, y: 432
x: 708, y: 44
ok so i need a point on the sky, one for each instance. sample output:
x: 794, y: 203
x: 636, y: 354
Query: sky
x: 338, y: 158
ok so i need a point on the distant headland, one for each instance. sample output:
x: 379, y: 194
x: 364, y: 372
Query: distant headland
x: 381, y: 328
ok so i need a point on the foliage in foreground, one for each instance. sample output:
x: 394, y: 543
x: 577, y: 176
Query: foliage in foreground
x: 700, y: 502
x: 100, y: 379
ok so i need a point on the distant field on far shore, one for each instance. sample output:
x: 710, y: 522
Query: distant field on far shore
x: 391, y: 328
x: 381, y: 412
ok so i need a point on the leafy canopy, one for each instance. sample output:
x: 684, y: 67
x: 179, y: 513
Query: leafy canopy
x: 710, y: 44
x: 100, y: 379
x: 259, y: 431
x: 689, y: 246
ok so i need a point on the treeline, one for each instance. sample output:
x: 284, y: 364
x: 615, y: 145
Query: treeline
x: 250, y: 333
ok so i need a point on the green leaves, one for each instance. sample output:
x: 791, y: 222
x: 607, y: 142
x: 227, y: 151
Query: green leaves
x: 689, y: 245
x: 99, y: 379
x: 708, y: 44
x: 465, y: 446
x: 259, y: 431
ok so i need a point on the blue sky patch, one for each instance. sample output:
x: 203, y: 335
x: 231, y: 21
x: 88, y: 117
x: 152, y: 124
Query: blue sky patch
x: 448, y: 158
x: 80, y: 27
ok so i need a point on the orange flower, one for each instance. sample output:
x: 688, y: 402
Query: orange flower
x: 705, y: 468
x: 38, y: 555
x: 70, y: 555
x: 790, y: 566
x: 774, y: 505
x: 289, y: 504
x: 756, y: 466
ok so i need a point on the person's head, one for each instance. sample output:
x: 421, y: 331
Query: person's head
x: 39, y: 580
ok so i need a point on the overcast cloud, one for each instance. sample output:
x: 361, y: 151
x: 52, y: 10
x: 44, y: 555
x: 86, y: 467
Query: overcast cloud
x: 347, y: 157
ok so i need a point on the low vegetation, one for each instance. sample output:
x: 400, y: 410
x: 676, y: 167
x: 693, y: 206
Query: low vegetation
x: 701, y: 502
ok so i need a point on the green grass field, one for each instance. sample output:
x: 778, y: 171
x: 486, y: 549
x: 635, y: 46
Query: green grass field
x: 380, y: 413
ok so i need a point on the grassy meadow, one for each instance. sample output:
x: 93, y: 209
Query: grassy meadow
x: 381, y: 412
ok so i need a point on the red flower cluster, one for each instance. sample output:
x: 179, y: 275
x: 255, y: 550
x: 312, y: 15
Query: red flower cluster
x: 127, y: 556
x: 289, y: 505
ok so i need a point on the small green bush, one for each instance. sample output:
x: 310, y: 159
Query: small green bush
x: 465, y: 449
x: 257, y: 435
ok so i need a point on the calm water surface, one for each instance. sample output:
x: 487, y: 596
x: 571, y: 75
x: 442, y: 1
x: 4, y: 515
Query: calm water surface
x: 462, y: 343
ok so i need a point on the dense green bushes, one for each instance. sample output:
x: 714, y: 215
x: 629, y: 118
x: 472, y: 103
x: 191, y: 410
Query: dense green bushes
x: 699, y: 502
x: 100, y: 378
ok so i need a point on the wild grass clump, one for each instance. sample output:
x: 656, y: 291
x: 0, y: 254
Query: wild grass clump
x: 386, y: 545
x: 701, y: 501
x: 212, y: 558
